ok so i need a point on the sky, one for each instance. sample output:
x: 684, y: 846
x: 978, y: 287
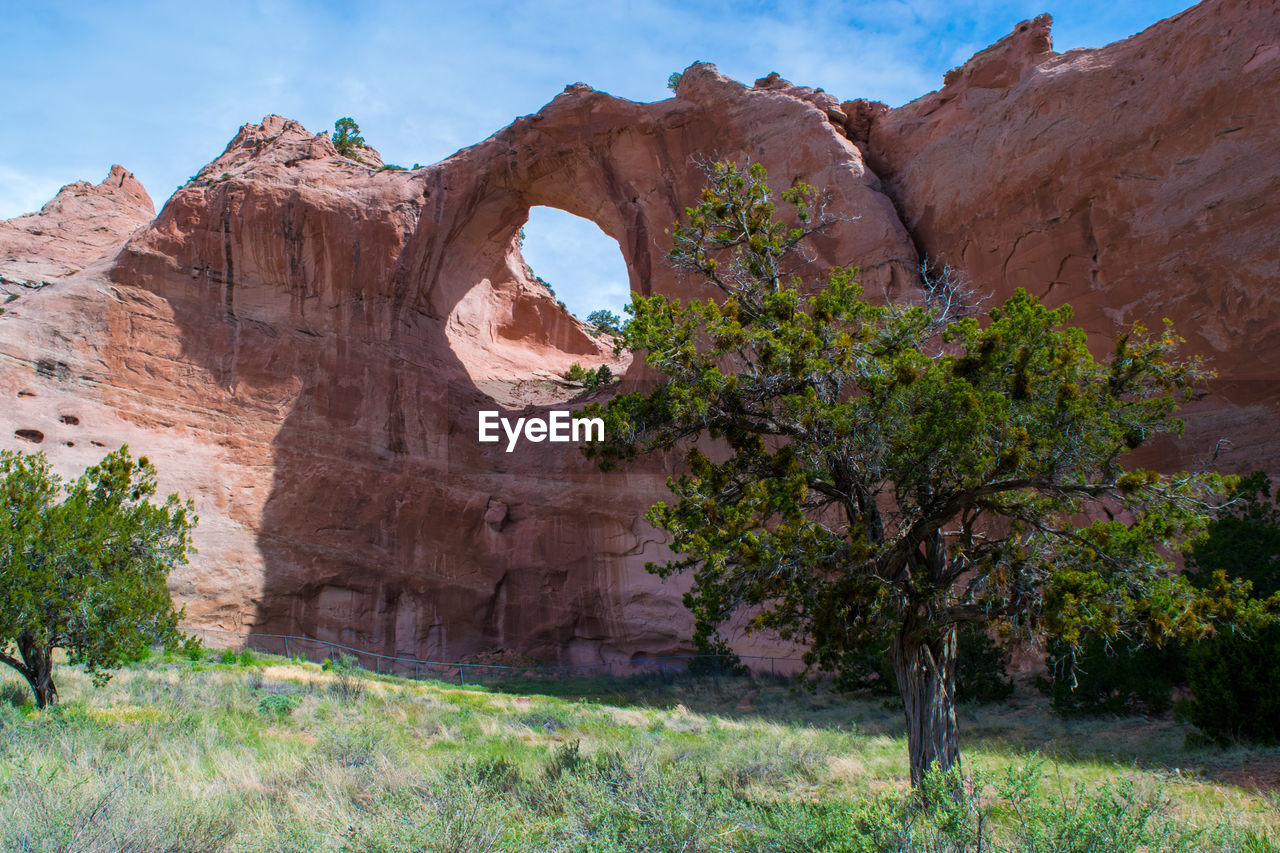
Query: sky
x: 161, y: 87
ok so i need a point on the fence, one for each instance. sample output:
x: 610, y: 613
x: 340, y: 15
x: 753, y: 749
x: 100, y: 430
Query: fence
x: 664, y: 667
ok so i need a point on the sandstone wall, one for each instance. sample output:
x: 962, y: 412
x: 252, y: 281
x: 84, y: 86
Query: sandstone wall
x: 302, y: 342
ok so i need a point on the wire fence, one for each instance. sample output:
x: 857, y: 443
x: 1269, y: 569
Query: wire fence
x: 665, y: 668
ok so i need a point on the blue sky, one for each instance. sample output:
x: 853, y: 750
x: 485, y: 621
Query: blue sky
x: 160, y: 87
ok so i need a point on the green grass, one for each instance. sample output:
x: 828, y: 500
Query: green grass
x: 269, y: 756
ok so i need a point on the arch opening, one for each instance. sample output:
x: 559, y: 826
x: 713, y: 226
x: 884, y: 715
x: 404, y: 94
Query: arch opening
x: 583, y: 265
x: 521, y: 326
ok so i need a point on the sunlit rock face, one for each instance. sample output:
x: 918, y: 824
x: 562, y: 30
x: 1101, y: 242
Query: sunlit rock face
x: 1135, y: 182
x: 303, y: 343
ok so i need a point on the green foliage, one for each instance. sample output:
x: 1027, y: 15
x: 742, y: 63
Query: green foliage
x: 347, y: 138
x: 245, y: 658
x: 1112, y: 678
x: 348, y: 682
x: 158, y: 761
x: 887, y: 473
x: 982, y: 668
x: 591, y: 379
x: 1235, y: 676
x: 83, y: 567
x: 278, y: 704
x: 604, y: 322
x: 673, y: 82
x: 14, y: 694
x: 1243, y: 540
x: 1235, y: 685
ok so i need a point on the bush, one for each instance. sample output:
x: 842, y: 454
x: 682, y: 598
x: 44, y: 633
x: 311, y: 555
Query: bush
x: 348, y: 686
x: 1119, y: 678
x: 13, y: 693
x: 982, y: 670
x: 1243, y: 541
x: 1235, y: 677
x: 277, y: 705
x: 1235, y: 686
x: 590, y: 379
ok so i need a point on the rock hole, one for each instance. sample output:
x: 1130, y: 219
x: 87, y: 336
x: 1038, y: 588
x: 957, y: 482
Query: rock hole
x: 33, y: 435
x: 540, y: 273
x: 70, y: 420
x: 68, y: 444
x: 97, y: 444
x: 582, y: 264
x: 26, y: 393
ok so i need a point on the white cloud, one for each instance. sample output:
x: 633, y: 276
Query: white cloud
x: 23, y: 192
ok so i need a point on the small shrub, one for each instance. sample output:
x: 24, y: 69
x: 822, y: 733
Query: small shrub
x: 277, y: 705
x: 982, y: 668
x: 591, y: 379
x: 1235, y: 686
x: 1116, y: 678
x: 1243, y: 540
x: 15, y: 694
x: 673, y: 82
x: 228, y: 657
x: 348, y: 685
x: 496, y: 775
x: 246, y: 658
x: 564, y: 759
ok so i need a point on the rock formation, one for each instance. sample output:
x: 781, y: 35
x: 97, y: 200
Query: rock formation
x: 1136, y: 182
x: 302, y: 342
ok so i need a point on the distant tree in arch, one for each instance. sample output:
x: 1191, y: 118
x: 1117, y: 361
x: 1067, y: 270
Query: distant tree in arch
x: 605, y: 321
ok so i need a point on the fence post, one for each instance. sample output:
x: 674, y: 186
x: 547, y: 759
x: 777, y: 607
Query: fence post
x: 462, y: 674
x: 286, y: 648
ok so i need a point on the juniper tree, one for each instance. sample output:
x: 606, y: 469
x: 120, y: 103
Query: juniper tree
x: 872, y: 476
x: 347, y: 138
x: 84, y: 568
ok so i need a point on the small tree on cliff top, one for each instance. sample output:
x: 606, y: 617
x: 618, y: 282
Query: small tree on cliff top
x: 347, y: 138
x: 86, y: 573
x: 881, y: 474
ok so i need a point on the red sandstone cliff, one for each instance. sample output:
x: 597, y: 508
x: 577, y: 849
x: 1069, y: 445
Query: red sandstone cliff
x: 302, y: 342
x: 1135, y: 182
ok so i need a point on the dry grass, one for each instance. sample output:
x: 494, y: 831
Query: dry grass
x: 175, y: 756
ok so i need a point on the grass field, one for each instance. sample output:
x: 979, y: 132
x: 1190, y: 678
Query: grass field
x: 275, y: 755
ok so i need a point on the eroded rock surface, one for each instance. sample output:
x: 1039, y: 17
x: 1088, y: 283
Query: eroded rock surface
x: 1136, y: 182
x: 302, y: 342
x: 323, y: 334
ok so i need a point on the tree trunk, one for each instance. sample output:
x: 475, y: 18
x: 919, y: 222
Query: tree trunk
x: 39, y: 670
x: 926, y: 670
